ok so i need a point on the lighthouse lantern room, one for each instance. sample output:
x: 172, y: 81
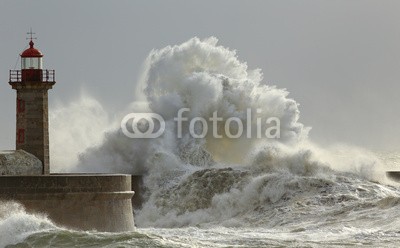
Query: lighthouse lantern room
x: 31, y: 58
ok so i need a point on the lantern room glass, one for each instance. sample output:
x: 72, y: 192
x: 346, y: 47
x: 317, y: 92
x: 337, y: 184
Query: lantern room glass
x: 31, y: 63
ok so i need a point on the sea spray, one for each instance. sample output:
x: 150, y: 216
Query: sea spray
x: 230, y: 182
x: 16, y: 224
x: 204, y: 77
x: 74, y: 127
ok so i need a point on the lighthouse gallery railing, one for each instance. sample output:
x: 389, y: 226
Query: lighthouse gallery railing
x: 46, y: 76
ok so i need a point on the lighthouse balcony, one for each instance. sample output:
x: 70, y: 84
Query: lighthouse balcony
x: 32, y: 75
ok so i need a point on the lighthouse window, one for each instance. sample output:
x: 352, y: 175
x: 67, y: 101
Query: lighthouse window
x: 23, y: 63
x: 31, y: 63
x: 34, y: 63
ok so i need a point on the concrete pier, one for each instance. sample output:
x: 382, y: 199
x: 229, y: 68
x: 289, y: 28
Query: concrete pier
x: 80, y: 201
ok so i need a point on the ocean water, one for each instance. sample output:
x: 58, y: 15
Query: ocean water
x: 321, y: 209
x: 248, y: 191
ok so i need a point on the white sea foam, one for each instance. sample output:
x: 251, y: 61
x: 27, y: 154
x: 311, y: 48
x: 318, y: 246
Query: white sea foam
x: 16, y: 224
x: 230, y: 182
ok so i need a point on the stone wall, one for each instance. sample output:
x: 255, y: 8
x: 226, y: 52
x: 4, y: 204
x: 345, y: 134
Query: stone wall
x: 80, y: 201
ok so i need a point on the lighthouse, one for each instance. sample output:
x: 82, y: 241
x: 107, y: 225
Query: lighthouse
x: 100, y: 202
x: 32, y: 83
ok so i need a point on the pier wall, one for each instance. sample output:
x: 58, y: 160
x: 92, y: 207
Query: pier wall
x: 80, y: 201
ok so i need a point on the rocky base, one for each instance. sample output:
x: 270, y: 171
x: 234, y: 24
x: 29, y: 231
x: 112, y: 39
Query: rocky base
x: 19, y: 163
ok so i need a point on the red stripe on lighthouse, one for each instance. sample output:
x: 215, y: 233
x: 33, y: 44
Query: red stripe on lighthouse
x: 21, y: 136
x: 20, y: 106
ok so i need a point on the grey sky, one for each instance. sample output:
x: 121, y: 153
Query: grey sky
x: 339, y: 59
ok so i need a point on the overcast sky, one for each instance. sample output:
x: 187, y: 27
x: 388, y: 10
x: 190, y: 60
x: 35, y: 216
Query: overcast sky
x: 339, y: 59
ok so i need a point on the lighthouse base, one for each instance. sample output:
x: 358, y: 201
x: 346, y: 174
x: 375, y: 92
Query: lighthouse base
x: 78, y: 201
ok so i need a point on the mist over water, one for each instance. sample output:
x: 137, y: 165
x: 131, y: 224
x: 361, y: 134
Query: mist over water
x: 74, y: 128
x: 284, y: 189
x: 206, y: 77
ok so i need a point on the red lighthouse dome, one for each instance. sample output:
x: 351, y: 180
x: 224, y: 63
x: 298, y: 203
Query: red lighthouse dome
x: 31, y: 52
x: 31, y: 58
